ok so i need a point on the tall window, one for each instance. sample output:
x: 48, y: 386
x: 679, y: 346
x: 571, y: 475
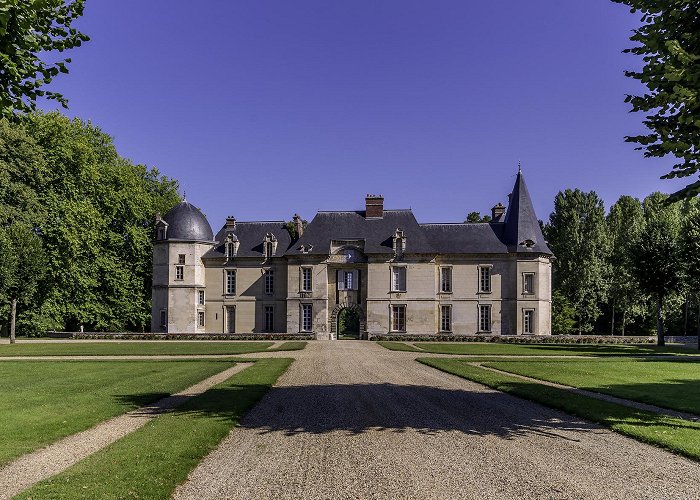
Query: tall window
x: 347, y: 280
x: 398, y: 279
x: 445, y: 318
x: 485, y: 279
x: 200, y: 318
x: 163, y: 318
x: 306, y: 318
x: 306, y: 279
x: 268, y: 249
x: 398, y: 318
x: 484, y: 318
x: 230, y: 282
x: 230, y: 249
x: 200, y: 297
x: 446, y: 279
x: 529, y: 283
x: 181, y: 258
x: 269, y: 282
x: 529, y: 321
x: 269, y: 318
x: 179, y: 272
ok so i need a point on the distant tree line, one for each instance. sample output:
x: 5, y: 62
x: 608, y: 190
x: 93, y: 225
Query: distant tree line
x: 634, y: 270
x: 76, y: 226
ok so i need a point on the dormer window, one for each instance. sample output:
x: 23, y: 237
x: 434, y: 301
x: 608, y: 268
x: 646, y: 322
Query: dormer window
x: 528, y: 243
x: 399, y: 243
x: 161, y: 228
x: 231, y: 246
x: 269, y: 245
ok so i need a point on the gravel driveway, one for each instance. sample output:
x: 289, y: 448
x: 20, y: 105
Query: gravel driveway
x: 354, y: 420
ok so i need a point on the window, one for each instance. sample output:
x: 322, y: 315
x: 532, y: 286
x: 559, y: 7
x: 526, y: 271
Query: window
x: 484, y: 279
x: 484, y: 318
x: 306, y: 279
x: 269, y: 318
x: 398, y: 279
x: 163, y: 318
x: 200, y: 297
x: 445, y: 318
x: 269, y: 251
x: 230, y: 282
x: 529, y: 283
x: 398, y: 318
x: 231, y: 319
x: 181, y: 258
x: 446, y: 279
x: 269, y: 282
x: 347, y: 280
x: 306, y: 318
x: 230, y: 249
x: 179, y: 272
x: 529, y: 321
x: 200, y: 318
x: 161, y: 233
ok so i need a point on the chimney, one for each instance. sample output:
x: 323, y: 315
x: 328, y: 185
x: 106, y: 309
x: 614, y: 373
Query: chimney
x: 497, y: 211
x: 374, y: 206
x: 230, y: 223
x: 298, y: 226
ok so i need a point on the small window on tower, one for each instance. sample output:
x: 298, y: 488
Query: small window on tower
x: 179, y: 273
x: 181, y: 258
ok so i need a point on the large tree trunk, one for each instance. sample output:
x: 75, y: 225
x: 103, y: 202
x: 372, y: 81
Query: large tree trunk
x: 659, y: 323
x: 685, y: 319
x: 624, y: 319
x: 13, y: 316
x: 698, y: 325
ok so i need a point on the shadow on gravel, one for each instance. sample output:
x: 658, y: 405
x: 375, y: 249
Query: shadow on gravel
x: 360, y: 408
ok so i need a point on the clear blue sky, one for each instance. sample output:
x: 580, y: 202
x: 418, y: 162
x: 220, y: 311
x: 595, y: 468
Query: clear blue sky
x: 266, y: 108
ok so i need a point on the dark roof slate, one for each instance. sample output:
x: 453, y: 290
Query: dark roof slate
x: 187, y: 222
x: 466, y: 238
x: 251, y: 236
x: 521, y: 224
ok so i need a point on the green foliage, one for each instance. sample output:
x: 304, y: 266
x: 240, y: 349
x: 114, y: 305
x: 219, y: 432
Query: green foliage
x: 669, y: 43
x: 29, y: 31
x: 577, y: 235
x: 563, y: 314
x: 476, y: 217
x: 94, y: 212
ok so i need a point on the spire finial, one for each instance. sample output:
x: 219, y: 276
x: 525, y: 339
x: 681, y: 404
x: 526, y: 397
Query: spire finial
x: 520, y: 170
x: 184, y: 196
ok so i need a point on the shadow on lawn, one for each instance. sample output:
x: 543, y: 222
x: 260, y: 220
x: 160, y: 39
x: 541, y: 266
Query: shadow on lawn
x: 356, y: 409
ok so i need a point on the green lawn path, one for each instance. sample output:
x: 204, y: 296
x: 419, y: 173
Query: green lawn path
x: 139, y: 348
x: 152, y: 461
x: 679, y: 436
x: 43, y: 401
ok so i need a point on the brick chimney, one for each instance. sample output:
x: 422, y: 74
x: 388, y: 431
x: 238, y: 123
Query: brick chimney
x: 374, y: 206
x: 298, y: 226
x: 497, y: 211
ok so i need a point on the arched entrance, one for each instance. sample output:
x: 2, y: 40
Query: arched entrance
x: 350, y: 318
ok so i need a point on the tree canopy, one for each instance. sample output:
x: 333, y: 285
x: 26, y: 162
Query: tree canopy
x: 30, y: 30
x: 669, y: 44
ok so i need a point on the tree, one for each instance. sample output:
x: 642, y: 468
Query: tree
x: 624, y: 224
x: 563, y: 314
x: 476, y: 217
x: 657, y: 253
x: 29, y: 31
x: 669, y: 43
x: 22, y: 266
x: 576, y: 234
x: 690, y: 253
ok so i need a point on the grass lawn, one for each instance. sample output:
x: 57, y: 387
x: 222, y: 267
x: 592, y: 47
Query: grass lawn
x: 152, y: 461
x: 671, y: 384
x: 398, y: 346
x: 140, y: 348
x: 42, y: 401
x: 488, y: 348
x: 677, y: 435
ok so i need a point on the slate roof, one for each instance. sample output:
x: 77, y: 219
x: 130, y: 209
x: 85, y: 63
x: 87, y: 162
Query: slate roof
x: 250, y: 236
x: 521, y: 224
x: 376, y: 232
x: 466, y: 237
x: 187, y: 222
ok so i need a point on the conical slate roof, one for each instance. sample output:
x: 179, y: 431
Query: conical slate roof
x: 522, y: 231
x: 187, y: 222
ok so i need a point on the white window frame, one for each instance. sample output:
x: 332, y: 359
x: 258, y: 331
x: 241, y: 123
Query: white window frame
x: 179, y: 273
x: 303, y: 285
x: 230, y: 284
x: 528, y: 324
x: 445, y: 319
x: 485, y: 328
x: 306, y: 323
x: 269, y: 312
x: 201, y: 319
x: 230, y: 249
x: 531, y: 291
x: 396, y: 275
x: 446, y: 284
x: 485, y: 271
x: 394, y: 311
x: 269, y: 277
x: 200, y: 297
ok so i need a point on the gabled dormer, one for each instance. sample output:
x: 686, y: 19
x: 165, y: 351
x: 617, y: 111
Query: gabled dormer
x: 269, y: 245
x: 231, y: 242
x: 399, y: 243
x: 161, y: 228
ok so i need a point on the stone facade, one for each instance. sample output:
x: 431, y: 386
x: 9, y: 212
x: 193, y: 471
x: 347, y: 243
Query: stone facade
x: 397, y: 274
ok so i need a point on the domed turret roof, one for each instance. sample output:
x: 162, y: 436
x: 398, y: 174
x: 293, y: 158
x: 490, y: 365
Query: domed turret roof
x: 187, y: 222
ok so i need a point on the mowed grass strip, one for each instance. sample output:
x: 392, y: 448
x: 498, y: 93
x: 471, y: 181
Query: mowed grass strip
x: 290, y: 346
x: 136, y: 348
x: 43, y: 401
x: 398, y: 346
x: 677, y: 435
x: 152, y: 461
x: 670, y: 384
x: 487, y: 348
